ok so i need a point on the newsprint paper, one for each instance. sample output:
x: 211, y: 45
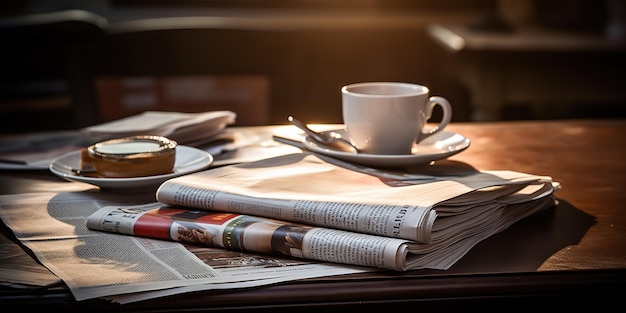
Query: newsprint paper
x: 396, y: 223
x: 411, y: 221
x: 125, y: 269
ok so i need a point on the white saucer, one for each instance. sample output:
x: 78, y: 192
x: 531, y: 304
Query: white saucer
x: 188, y: 160
x: 436, y: 147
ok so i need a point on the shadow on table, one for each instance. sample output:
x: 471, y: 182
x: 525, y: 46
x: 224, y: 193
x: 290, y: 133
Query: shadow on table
x: 527, y: 244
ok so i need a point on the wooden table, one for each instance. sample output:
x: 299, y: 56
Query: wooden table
x: 571, y: 256
x: 547, y: 71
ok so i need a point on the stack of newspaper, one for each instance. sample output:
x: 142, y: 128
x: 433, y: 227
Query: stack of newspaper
x: 192, y: 129
x: 38, y: 150
x: 279, y: 219
x: 313, y: 207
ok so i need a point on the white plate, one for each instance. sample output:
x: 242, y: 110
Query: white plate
x: 188, y: 160
x: 436, y: 147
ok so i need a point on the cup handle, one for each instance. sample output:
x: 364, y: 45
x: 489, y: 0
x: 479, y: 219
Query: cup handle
x: 445, y: 120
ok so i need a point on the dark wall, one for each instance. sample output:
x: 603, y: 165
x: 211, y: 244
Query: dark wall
x: 305, y: 66
x: 306, y: 69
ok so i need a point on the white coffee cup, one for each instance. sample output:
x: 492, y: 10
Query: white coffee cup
x: 389, y: 117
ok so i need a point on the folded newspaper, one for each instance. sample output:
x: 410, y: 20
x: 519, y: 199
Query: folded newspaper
x: 308, y: 206
x: 38, y: 150
x: 192, y: 129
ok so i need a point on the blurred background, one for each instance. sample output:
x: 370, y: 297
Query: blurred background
x: 70, y: 64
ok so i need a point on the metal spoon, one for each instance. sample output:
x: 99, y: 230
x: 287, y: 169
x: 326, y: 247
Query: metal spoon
x: 325, y: 139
